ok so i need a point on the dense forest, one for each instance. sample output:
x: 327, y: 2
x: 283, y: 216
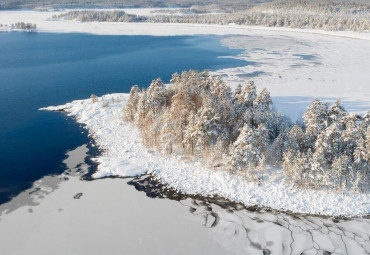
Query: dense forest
x: 200, y: 116
x: 326, y: 15
x: 228, y: 4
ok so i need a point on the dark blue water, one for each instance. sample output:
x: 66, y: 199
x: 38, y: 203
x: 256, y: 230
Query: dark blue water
x: 39, y: 69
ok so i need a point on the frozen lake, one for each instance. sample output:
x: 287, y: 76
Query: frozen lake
x: 141, y: 216
x: 72, y: 216
x: 42, y: 69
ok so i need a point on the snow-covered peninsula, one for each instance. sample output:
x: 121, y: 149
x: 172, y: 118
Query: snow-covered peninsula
x: 124, y: 155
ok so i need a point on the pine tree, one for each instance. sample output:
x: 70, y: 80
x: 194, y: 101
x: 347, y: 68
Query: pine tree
x: 167, y: 134
x: 288, y: 163
x: 262, y: 108
x: 249, y: 148
x: 237, y: 94
x: 336, y: 112
x: 142, y: 109
x: 248, y: 95
x: 156, y: 97
x: 130, y: 108
x: 295, y: 139
x: 316, y: 120
x: 191, y: 134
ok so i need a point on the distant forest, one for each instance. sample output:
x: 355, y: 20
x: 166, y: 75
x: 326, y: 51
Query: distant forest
x: 223, y: 4
x: 226, y: 4
x: 324, y: 15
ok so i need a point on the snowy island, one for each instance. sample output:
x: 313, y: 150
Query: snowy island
x: 19, y: 26
x: 199, y: 137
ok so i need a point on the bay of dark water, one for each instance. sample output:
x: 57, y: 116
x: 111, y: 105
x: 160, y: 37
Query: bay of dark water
x: 42, y: 69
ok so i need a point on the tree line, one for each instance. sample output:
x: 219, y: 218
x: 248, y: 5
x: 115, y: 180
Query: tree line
x: 199, y: 115
x: 20, y: 25
x: 325, y: 15
x: 230, y: 4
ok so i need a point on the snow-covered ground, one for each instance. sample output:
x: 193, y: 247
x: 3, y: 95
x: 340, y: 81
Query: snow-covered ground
x: 46, y: 24
x: 296, y: 68
x: 67, y: 215
x: 124, y: 155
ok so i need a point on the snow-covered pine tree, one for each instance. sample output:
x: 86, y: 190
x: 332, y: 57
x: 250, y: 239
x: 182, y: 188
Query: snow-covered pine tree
x: 262, y: 108
x: 191, y: 133
x: 130, y: 108
x: 288, y: 163
x: 221, y: 101
x: 156, y: 97
x: 249, y: 148
x: 295, y: 139
x: 316, y: 120
x: 182, y: 106
x: 351, y: 134
x: 340, y: 170
x: 209, y: 126
x: 336, y: 112
x: 142, y: 109
x: 248, y: 95
x: 167, y: 134
x: 237, y: 93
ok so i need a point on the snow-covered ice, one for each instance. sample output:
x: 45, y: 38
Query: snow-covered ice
x: 67, y: 215
x: 124, y: 155
x: 296, y: 68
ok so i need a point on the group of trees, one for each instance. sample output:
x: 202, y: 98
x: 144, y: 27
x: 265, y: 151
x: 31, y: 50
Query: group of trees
x: 20, y: 25
x: 17, y: 4
x: 326, y: 15
x: 332, y: 148
x: 101, y: 16
x: 199, y: 115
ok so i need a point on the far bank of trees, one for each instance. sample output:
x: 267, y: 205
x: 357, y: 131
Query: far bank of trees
x: 324, y: 15
x: 200, y: 116
x: 20, y: 25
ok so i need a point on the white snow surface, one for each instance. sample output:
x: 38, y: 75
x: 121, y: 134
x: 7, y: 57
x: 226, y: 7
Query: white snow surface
x: 46, y: 24
x: 124, y: 155
x: 297, y: 67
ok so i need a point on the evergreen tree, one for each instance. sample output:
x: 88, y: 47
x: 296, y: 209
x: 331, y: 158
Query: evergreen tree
x: 336, y: 112
x: 132, y: 104
x: 316, y: 120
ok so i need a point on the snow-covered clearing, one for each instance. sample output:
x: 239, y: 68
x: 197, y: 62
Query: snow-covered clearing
x: 124, y: 155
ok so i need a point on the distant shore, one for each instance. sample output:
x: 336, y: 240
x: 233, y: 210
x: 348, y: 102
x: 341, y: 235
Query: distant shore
x: 46, y: 24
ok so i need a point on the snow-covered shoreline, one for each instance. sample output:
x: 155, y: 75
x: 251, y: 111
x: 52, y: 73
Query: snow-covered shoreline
x: 46, y: 24
x: 124, y: 155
